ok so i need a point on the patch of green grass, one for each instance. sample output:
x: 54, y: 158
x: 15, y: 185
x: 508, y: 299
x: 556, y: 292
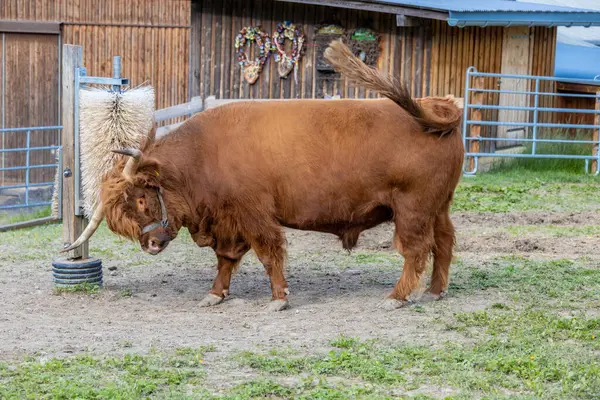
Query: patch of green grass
x: 259, y: 388
x: 38, y: 213
x: 353, y: 359
x: 554, y: 230
x: 557, y: 283
x: 344, y: 342
x: 87, y: 377
x: 81, y: 288
x: 526, y: 190
x: 536, y: 355
x: 551, y: 164
x: 126, y: 293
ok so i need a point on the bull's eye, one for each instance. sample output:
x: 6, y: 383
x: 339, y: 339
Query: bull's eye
x: 141, y: 204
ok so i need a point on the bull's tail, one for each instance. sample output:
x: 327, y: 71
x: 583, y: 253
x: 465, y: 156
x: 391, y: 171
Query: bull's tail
x: 441, y: 117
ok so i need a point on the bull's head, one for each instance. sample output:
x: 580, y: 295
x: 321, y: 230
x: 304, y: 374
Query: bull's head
x: 133, y: 203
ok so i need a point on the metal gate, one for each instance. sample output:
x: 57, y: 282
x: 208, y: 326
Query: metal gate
x: 29, y: 120
x: 522, y: 117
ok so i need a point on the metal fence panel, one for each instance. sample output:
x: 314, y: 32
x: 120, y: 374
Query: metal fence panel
x: 491, y: 121
x: 22, y: 191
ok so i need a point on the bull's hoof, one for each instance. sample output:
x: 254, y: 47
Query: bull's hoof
x: 391, y: 304
x: 278, y: 305
x: 211, y: 300
x: 430, y: 297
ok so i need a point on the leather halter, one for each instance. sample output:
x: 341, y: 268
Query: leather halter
x: 163, y: 210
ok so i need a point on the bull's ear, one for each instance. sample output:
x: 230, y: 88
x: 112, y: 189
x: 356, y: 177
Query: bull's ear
x: 149, y: 172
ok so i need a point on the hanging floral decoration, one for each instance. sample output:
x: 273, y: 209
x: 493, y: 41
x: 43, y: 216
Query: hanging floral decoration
x: 287, y: 30
x: 364, y: 43
x: 247, y: 35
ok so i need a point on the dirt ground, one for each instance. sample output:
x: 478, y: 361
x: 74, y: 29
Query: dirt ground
x: 153, y: 301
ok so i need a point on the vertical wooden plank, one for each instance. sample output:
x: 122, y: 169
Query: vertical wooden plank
x: 275, y: 82
x: 216, y: 70
x: 350, y: 24
x: 269, y: 25
x: 288, y: 82
x: 227, y: 45
x: 426, y: 76
x: 444, y: 62
x: 459, y: 63
x: 246, y: 21
x: 73, y: 225
x: 307, y: 62
x: 195, y: 49
x: 205, y: 61
x: 236, y: 25
x: 418, y: 62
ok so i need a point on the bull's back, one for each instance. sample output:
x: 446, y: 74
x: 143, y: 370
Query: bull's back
x: 324, y: 160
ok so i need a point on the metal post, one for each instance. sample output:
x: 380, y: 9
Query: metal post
x: 596, y: 137
x: 79, y: 72
x: 476, y: 115
x: 60, y: 184
x: 2, y: 111
x: 117, y: 72
x: 27, y: 160
x: 535, y: 114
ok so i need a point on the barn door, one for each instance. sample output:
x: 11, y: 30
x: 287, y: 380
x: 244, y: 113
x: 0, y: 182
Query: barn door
x: 29, y: 97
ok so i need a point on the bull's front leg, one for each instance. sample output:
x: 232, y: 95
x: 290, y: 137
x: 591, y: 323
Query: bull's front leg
x: 220, y: 287
x: 229, y: 258
x: 273, y: 259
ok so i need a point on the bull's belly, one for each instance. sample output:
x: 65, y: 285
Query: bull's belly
x: 347, y: 229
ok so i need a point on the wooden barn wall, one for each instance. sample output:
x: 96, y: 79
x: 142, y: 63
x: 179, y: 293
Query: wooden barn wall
x: 149, y: 55
x: 456, y: 49
x: 151, y: 36
x: 431, y: 59
x: 118, y: 12
x: 214, y: 67
x: 543, y: 51
x: 575, y: 103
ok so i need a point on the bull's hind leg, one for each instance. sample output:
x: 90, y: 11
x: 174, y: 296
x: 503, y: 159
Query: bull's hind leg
x: 443, y: 232
x: 414, y: 238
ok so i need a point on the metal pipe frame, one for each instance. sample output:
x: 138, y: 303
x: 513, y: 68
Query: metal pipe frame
x: 535, y: 124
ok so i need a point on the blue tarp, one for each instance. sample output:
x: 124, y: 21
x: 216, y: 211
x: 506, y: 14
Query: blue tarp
x: 577, y: 62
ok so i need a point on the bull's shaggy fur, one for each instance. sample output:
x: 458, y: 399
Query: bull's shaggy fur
x: 235, y: 175
x: 109, y: 120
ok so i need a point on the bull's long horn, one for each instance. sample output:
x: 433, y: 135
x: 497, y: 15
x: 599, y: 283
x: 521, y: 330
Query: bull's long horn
x: 132, y: 164
x: 152, y: 134
x: 89, y: 230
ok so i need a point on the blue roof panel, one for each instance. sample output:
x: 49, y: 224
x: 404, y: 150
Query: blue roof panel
x: 483, y: 6
x: 503, y: 12
x: 577, y: 62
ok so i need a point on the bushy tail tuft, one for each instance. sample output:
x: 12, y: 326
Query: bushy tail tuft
x: 441, y: 118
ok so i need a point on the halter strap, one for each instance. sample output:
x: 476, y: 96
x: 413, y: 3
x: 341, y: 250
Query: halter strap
x: 163, y: 210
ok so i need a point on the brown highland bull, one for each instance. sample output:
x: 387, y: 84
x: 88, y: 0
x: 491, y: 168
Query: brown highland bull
x: 236, y: 174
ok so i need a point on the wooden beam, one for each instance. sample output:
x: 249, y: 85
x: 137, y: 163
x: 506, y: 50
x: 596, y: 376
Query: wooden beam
x: 576, y: 87
x: 29, y: 224
x: 180, y: 110
x: 381, y: 8
x: 73, y: 225
x: 406, y: 21
x: 30, y: 27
